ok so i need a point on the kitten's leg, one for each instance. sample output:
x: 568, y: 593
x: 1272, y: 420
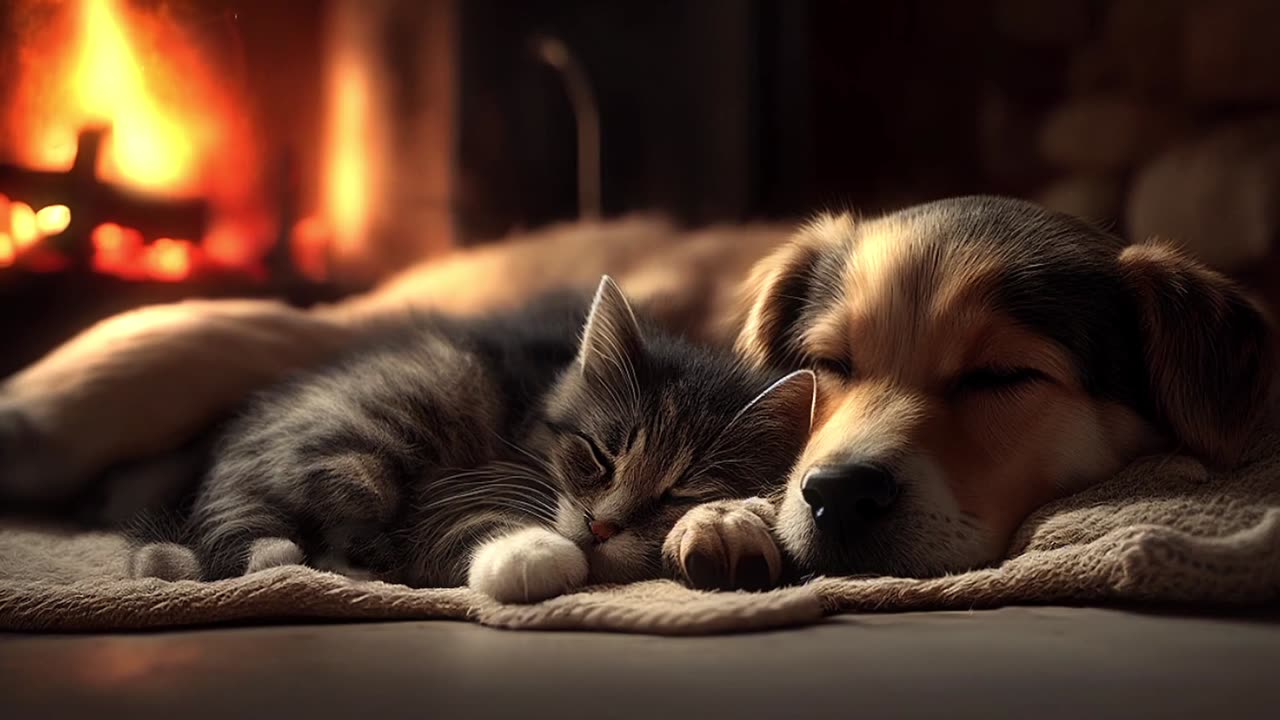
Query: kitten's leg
x: 527, y: 565
x: 229, y: 530
x: 725, y: 545
x: 164, y: 560
x: 356, y: 494
x: 252, y: 515
x: 328, y: 461
x: 270, y: 552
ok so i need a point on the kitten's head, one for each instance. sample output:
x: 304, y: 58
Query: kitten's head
x: 643, y: 426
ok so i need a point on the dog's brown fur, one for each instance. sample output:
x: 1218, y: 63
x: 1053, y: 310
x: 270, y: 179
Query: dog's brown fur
x: 994, y: 356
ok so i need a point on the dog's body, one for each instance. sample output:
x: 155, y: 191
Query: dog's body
x: 138, y: 386
x: 977, y: 358
x: 980, y: 357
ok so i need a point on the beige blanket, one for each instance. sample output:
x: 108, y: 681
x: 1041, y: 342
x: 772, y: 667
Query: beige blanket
x: 1165, y: 531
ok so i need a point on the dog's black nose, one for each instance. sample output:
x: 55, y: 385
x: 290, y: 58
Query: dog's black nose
x: 842, y: 497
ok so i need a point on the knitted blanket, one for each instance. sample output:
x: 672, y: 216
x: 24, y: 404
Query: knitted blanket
x: 1166, y: 531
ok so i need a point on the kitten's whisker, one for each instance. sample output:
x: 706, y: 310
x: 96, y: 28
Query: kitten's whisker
x: 520, y: 506
x: 478, y: 472
x: 553, y: 488
x: 480, y: 492
x: 529, y: 474
x: 542, y: 463
x: 481, y: 497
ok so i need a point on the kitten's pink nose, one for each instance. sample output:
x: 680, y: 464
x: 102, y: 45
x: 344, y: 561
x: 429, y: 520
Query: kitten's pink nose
x: 602, y: 530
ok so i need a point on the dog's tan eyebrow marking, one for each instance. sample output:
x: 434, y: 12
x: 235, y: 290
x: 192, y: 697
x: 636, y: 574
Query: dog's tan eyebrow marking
x: 1005, y: 344
x: 828, y: 337
x: 966, y: 282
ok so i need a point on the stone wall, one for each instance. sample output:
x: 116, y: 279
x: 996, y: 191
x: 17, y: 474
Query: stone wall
x: 1153, y: 117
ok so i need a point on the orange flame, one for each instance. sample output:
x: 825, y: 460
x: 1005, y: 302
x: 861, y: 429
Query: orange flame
x: 22, y: 225
x: 7, y: 252
x: 150, y: 148
x: 53, y: 219
x: 169, y: 259
x: 175, y: 130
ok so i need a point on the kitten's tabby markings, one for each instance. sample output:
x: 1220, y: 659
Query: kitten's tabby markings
x: 504, y: 453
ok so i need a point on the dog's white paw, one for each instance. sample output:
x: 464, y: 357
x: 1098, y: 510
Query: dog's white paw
x: 725, y: 545
x: 527, y: 566
x: 272, y: 552
x: 166, y: 561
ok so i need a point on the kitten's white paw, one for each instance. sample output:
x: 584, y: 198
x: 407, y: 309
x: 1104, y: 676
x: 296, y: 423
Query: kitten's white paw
x: 272, y: 552
x: 527, y: 566
x: 166, y: 561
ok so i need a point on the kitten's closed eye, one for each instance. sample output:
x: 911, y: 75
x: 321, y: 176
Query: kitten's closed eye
x: 679, y: 496
x: 583, y: 457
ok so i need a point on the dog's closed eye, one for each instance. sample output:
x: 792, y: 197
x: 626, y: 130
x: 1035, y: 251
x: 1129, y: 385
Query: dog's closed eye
x: 989, y: 379
x: 835, y: 366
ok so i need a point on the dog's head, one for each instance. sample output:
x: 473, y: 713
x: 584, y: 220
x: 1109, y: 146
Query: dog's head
x: 979, y: 357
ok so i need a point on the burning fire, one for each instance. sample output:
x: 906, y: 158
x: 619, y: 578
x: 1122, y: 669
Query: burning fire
x: 149, y: 148
x: 174, y: 132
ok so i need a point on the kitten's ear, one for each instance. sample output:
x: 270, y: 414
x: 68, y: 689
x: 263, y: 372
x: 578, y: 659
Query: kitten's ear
x: 781, y: 417
x: 611, y: 340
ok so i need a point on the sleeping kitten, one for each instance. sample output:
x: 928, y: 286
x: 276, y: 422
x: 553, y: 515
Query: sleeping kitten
x: 505, y: 453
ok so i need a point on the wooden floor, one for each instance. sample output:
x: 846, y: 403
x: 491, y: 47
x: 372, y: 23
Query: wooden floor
x: 1040, y: 663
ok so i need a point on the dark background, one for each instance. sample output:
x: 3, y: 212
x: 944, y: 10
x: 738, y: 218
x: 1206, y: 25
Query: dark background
x: 719, y: 109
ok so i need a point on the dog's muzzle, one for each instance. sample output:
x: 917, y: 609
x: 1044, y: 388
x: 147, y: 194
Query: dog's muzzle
x: 844, y: 498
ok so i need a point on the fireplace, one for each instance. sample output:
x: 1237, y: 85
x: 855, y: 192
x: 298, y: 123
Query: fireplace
x: 156, y: 151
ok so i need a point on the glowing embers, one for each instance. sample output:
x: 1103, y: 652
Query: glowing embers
x: 120, y: 251
x: 52, y: 220
x: 21, y: 230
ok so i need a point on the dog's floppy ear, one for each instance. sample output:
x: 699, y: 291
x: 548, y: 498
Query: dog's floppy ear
x: 1209, y: 349
x: 774, y: 297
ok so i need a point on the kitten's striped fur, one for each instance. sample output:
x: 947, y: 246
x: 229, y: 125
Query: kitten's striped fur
x: 427, y: 459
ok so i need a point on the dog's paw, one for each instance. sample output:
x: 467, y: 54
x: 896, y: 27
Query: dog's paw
x: 527, y: 566
x: 166, y: 561
x: 725, y: 545
x: 272, y: 552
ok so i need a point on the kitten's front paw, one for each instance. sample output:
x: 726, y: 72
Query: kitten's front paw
x: 272, y: 552
x: 725, y: 545
x: 166, y: 561
x: 527, y: 566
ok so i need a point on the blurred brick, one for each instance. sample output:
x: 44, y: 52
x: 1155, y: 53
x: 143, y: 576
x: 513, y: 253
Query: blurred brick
x: 1232, y: 51
x: 1044, y: 23
x: 1216, y: 196
x: 1105, y: 133
x: 1092, y: 70
x: 1097, y: 198
x: 1007, y: 139
x: 1144, y: 39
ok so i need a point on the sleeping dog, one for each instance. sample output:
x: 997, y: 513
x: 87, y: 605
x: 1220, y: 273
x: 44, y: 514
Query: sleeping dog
x: 977, y: 358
